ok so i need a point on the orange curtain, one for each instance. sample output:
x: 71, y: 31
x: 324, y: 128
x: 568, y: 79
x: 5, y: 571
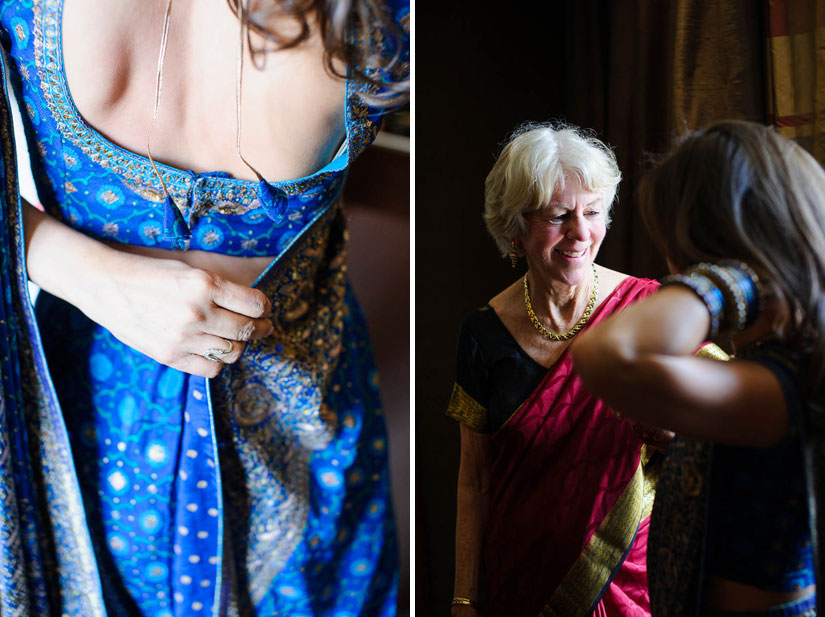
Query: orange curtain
x: 795, y: 76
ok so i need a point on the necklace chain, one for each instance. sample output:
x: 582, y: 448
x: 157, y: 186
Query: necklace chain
x: 579, y: 325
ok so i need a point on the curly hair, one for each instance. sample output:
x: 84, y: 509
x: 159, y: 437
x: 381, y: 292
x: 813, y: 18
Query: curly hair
x: 537, y: 160
x: 385, y: 75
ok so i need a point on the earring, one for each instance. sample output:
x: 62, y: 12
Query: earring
x: 514, y: 257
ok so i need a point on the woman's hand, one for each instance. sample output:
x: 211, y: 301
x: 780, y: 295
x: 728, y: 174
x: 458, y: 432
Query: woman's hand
x: 654, y: 436
x: 161, y: 307
x: 175, y: 313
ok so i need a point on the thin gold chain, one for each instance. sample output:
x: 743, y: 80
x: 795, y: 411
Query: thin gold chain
x: 579, y: 325
x: 158, y: 87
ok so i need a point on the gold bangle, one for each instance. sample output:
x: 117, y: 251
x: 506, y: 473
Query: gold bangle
x: 464, y: 602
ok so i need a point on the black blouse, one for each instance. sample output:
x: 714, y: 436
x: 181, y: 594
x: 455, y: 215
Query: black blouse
x: 494, y: 375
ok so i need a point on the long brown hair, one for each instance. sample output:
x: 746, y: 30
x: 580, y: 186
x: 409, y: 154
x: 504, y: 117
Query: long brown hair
x: 739, y: 190
x: 385, y: 75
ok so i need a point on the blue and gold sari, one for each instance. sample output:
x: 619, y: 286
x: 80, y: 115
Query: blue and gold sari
x: 130, y: 488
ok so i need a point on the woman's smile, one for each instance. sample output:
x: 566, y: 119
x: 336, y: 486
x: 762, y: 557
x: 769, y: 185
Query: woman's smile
x: 573, y: 255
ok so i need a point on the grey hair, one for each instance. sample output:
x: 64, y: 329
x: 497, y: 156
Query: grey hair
x: 536, y: 161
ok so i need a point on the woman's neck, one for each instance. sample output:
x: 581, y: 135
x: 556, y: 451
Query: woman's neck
x: 558, y: 304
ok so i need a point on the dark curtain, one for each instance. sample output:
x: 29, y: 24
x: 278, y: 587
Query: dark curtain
x: 638, y: 72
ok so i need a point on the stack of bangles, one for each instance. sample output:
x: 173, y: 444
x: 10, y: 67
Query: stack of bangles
x: 731, y: 292
x: 463, y: 602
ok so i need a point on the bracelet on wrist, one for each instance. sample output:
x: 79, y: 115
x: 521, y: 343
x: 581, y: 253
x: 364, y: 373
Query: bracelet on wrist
x: 458, y: 601
x: 735, y: 313
x: 730, y: 290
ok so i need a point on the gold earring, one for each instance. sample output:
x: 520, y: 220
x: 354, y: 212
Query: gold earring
x: 513, y: 255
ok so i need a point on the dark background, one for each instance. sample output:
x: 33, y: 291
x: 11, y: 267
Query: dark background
x: 615, y: 67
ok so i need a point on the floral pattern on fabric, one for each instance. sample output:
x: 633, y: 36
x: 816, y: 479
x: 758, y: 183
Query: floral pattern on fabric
x: 132, y: 489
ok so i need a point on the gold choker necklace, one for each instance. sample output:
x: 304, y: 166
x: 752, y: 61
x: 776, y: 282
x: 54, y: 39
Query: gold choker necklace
x: 579, y: 325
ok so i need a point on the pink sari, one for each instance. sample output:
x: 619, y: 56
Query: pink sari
x: 570, y: 500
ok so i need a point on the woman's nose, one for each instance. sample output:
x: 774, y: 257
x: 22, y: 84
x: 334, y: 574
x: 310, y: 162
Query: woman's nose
x: 577, y: 229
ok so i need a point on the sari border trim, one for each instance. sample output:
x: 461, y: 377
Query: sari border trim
x: 78, y: 586
x: 713, y: 352
x: 590, y: 574
x: 466, y: 410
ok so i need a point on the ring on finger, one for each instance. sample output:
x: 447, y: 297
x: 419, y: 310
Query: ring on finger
x: 214, y: 355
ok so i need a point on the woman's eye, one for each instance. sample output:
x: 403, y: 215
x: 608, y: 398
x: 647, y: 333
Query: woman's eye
x: 593, y: 213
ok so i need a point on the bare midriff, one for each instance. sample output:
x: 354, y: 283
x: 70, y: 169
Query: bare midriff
x: 240, y: 270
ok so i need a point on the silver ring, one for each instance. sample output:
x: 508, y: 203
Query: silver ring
x: 213, y: 355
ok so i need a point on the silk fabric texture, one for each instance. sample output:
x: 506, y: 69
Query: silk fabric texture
x: 134, y: 489
x: 569, y: 498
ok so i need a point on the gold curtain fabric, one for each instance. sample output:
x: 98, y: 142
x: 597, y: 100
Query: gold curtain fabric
x: 716, y: 64
x: 643, y: 72
x: 795, y: 75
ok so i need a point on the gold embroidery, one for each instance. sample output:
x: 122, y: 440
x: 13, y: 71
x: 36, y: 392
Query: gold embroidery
x: 109, y: 197
x: 467, y: 410
x: 271, y: 401
x: 713, y: 352
x: 111, y: 229
x: 51, y: 459
x: 584, y: 581
x: 227, y: 195
x: 651, y: 460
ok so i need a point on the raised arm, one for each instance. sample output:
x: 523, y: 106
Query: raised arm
x: 640, y: 361
x: 162, y: 307
x: 473, y: 500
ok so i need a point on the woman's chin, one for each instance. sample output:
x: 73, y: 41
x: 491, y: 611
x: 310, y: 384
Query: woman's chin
x: 572, y: 274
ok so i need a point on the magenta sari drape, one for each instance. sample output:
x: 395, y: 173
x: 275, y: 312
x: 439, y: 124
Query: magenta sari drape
x: 561, y: 463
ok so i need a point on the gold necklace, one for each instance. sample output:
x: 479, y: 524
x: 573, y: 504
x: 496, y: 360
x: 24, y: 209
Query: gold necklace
x: 579, y: 325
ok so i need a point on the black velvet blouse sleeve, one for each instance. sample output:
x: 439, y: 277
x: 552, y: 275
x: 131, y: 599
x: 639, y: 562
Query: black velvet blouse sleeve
x: 494, y: 375
x: 470, y: 399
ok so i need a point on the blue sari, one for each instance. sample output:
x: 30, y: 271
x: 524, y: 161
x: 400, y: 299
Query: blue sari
x: 130, y: 488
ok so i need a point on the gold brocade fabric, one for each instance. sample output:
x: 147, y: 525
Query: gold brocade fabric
x: 716, y: 63
x: 270, y: 403
x: 467, y: 410
x: 712, y: 352
x: 795, y: 63
x: 595, y: 566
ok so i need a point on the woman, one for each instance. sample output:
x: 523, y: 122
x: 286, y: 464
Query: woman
x: 554, y: 489
x: 739, y: 213
x: 132, y: 485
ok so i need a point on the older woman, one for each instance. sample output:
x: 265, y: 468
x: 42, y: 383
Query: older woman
x: 554, y: 490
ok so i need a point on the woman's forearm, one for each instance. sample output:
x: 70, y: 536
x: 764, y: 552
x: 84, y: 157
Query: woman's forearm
x: 673, y: 321
x: 64, y: 262
x: 641, y: 362
x: 471, y: 516
x: 472, y: 507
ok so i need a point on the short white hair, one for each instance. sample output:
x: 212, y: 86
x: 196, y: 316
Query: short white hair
x: 535, y: 163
